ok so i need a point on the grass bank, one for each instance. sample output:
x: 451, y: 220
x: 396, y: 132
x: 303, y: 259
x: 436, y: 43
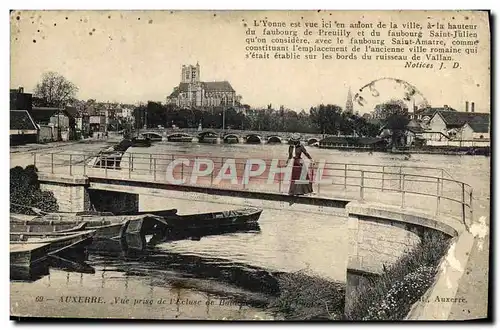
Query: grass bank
x: 391, y: 295
x: 308, y: 297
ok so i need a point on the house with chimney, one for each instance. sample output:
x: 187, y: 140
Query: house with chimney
x: 460, y: 125
x: 19, y: 100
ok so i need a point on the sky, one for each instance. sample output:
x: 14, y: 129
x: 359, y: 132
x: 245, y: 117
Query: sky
x: 133, y: 56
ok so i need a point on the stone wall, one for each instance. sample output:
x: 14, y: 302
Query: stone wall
x: 376, y: 242
x: 71, y: 192
x: 379, y: 235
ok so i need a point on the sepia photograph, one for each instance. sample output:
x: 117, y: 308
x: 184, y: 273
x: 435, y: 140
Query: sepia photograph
x: 277, y: 165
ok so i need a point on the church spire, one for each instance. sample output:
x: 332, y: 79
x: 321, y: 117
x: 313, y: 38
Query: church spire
x: 348, y: 104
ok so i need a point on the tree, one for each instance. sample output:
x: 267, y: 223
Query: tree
x: 327, y: 118
x: 54, y: 90
x: 139, y: 114
x: 394, y: 115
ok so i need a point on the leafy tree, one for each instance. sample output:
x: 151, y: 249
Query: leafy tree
x: 327, y: 118
x: 54, y: 91
x: 394, y: 115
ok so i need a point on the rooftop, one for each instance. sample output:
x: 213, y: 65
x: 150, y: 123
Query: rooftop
x: 458, y: 119
x: 21, y: 120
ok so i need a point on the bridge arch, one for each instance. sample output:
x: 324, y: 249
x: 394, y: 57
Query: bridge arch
x: 231, y: 138
x: 274, y: 139
x: 153, y: 136
x: 208, y: 137
x: 253, y: 139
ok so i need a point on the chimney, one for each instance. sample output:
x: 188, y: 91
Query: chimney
x: 466, y: 106
x: 472, y: 107
x: 21, y: 89
x: 445, y: 106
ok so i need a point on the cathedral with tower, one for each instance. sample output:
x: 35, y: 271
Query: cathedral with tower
x: 193, y: 93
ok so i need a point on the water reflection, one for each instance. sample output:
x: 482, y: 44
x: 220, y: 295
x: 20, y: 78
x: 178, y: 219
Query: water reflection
x: 42, y: 268
x: 27, y: 273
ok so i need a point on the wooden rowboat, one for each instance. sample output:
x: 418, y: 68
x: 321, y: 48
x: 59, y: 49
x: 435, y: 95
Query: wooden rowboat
x: 195, y: 226
x: 27, y: 248
x: 127, y: 230
x: 130, y: 231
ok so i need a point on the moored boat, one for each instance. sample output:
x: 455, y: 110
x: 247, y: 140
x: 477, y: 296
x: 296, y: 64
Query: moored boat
x: 199, y: 225
x: 129, y: 232
x: 107, y: 226
x: 27, y: 248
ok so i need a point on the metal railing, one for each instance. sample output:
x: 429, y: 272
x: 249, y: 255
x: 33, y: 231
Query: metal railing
x: 428, y: 189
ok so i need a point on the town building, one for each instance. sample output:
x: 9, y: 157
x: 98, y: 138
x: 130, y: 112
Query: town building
x: 192, y: 92
x: 461, y: 125
x: 62, y: 120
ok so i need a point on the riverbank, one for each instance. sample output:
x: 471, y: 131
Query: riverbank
x: 460, y: 151
x: 464, y: 151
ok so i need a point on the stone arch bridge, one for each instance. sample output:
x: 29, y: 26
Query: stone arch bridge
x: 256, y: 136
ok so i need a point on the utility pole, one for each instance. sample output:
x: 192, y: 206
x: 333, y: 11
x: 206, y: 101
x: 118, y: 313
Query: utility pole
x: 58, y: 126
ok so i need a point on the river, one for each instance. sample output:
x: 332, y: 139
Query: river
x: 228, y: 271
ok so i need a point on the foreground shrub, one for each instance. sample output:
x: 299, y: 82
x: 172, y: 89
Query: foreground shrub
x: 391, y: 295
x: 25, y: 192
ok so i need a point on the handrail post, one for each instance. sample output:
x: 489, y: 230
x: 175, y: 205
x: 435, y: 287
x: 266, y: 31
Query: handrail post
x: 313, y: 178
x: 470, y: 207
x: 84, y: 165
x: 154, y: 169
x: 150, y: 162
x: 463, y: 203
x: 361, y: 191
x: 345, y: 176
x: 52, y: 163
x: 400, y: 178
x: 280, y: 179
x: 106, y: 167
x: 70, y: 164
x: 34, y: 159
x: 438, y: 199
x: 442, y: 180
x: 129, y: 165
x: 212, y: 176
x: 403, y: 192
x: 182, y: 171
x: 383, y: 177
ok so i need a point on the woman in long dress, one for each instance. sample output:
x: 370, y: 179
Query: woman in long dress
x: 297, y: 187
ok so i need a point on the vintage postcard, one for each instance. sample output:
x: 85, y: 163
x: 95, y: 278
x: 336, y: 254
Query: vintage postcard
x: 250, y: 165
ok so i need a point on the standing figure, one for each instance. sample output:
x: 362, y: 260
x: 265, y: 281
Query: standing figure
x: 295, y: 151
